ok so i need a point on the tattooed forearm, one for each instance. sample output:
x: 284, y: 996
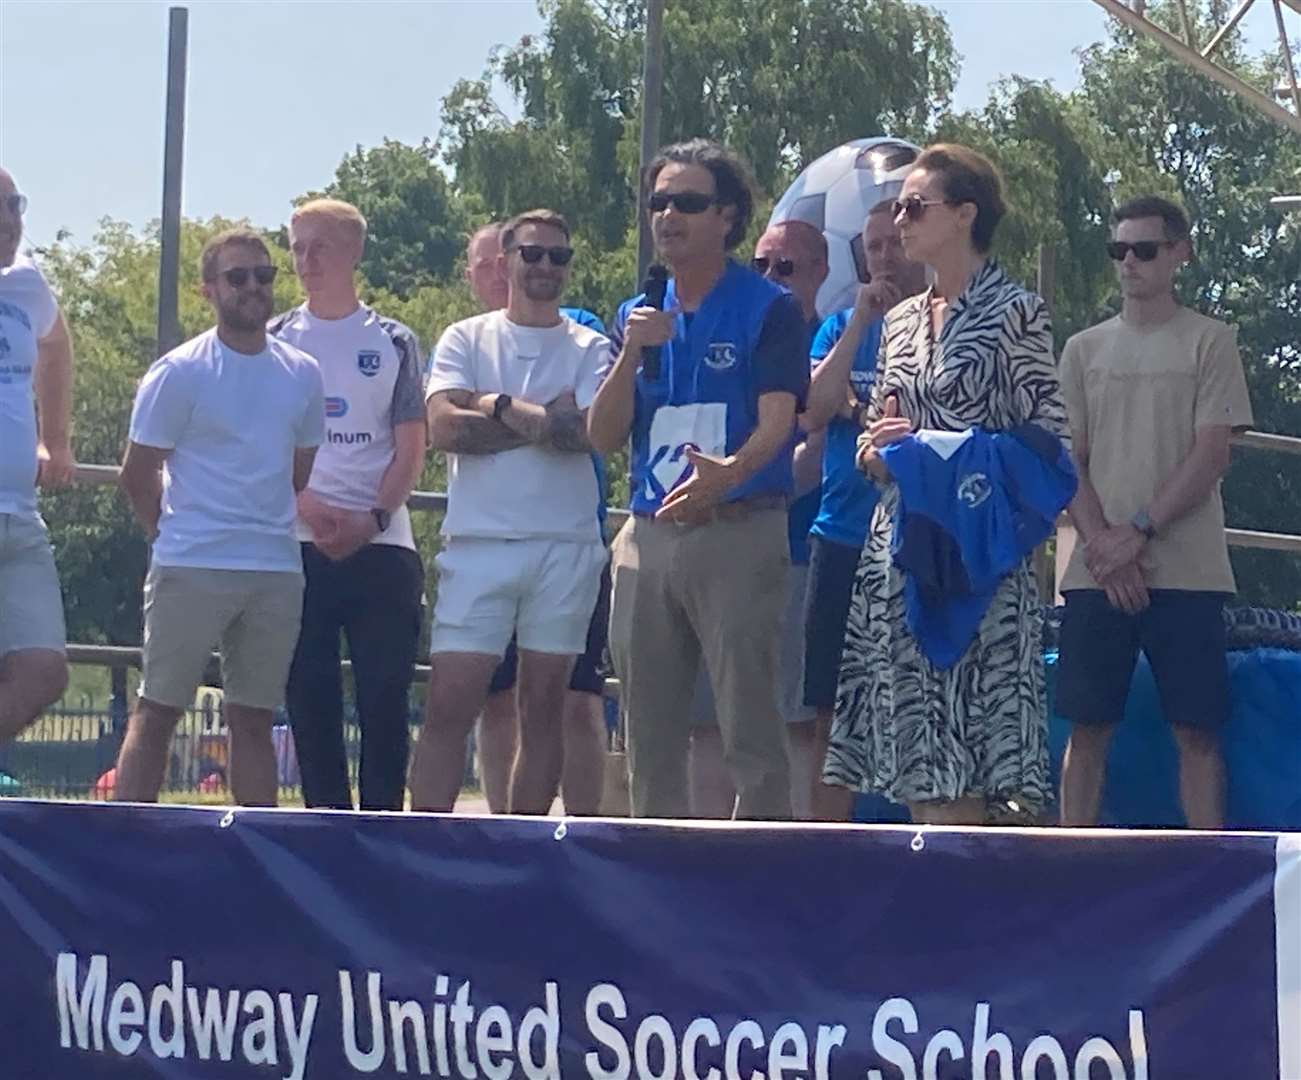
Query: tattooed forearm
x: 567, y: 428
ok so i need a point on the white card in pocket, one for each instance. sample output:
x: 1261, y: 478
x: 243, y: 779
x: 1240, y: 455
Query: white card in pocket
x: 673, y: 429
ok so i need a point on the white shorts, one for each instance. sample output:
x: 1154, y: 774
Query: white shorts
x: 541, y: 591
x: 252, y: 615
x: 31, y: 605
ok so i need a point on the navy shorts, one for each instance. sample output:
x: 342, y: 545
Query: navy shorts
x: 588, y: 676
x: 1182, y: 635
x: 831, y: 582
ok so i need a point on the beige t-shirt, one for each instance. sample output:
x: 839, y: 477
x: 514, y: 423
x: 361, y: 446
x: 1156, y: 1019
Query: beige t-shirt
x: 1139, y: 394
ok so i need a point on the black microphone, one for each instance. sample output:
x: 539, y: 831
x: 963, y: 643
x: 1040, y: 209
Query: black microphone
x: 655, y: 286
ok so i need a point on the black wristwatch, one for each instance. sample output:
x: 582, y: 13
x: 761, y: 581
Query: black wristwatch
x: 499, y: 406
x: 382, y: 518
x: 1143, y: 524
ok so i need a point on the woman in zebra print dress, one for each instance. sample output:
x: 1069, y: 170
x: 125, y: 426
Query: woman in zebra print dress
x: 975, y: 350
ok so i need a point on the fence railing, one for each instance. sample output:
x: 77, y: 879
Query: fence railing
x: 68, y: 752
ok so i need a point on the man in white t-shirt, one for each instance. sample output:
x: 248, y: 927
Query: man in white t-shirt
x: 223, y: 433
x: 35, y: 374
x: 363, y: 576
x: 584, y: 733
x: 507, y: 398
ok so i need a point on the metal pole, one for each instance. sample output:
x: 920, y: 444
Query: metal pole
x: 1225, y: 30
x: 1195, y: 60
x: 169, y: 327
x: 652, y: 87
x: 1286, y: 46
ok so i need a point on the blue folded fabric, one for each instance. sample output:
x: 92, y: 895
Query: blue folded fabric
x: 972, y: 505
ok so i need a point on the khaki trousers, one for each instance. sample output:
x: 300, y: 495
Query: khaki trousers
x: 712, y: 593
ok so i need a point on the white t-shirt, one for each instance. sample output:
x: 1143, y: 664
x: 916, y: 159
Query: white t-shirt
x: 371, y: 369
x: 531, y: 491
x: 232, y: 422
x: 28, y: 312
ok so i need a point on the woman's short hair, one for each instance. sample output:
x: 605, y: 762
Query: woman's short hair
x: 967, y: 176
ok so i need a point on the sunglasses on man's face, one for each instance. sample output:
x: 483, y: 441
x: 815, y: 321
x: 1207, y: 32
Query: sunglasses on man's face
x: 237, y: 276
x: 1144, y: 250
x: 914, y: 207
x: 780, y: 267
x: 532, y: 254
x: 16, y: 204
x: 685, y: 202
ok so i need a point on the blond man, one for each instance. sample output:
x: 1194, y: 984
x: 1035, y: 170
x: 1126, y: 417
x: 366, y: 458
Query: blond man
x: 364, y: 578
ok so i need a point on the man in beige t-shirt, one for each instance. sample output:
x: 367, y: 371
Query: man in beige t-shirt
x: 1153, y: 396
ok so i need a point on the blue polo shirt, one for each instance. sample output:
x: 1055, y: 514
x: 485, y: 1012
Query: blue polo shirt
x: 593, y: 322
x: 848, y: 497
x: 747, y: 338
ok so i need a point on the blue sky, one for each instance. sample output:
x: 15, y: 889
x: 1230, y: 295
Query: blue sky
x: 279, y: 91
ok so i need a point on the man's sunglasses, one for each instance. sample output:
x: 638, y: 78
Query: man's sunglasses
x: 914, y: 207
x: 237, y: 276
x: 782, y: 267
x: 532, y: 254
x: 1144, y: 250
x: 16, y: 204
x: 685, y: 202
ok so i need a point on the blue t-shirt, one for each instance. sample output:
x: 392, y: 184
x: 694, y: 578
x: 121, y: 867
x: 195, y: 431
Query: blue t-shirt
x: 593, y: 322
x: 848, y: 497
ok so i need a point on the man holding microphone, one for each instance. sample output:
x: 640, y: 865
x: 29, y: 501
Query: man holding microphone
x: 700, y: 569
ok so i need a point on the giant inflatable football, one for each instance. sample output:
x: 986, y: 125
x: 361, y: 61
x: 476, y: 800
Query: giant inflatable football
x: 834, y: 195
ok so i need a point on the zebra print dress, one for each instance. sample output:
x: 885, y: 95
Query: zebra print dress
x: 902, y: 727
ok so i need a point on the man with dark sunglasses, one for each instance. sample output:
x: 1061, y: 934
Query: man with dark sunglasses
x: 522, y: 553
x: 1154, y: 396
x: 585, y: 738
x: 364, y: 578
x: 223, y: 434
x: 35, y: 404
x: 708, y: 389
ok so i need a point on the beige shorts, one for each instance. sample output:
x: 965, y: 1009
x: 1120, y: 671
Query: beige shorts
x: 251, y: 616
x: 31, y: 605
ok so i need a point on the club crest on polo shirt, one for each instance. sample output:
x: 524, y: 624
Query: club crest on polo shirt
x: 368, y: 362
x: 974, y: 489
x: 720, y: 356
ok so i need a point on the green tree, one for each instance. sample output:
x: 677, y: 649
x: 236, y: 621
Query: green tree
x: 780, y: 83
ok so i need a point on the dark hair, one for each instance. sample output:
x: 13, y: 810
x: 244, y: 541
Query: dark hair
x: 531, y: 217
x: 1149, y: 206
x: 732, y: 186
x: 967, y: 176
x: 240, y: 236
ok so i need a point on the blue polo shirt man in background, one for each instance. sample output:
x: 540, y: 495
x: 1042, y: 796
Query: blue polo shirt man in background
x: 700, y: 569
x: 844, y: 356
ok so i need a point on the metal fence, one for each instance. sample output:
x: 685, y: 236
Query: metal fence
x: 69, y: 754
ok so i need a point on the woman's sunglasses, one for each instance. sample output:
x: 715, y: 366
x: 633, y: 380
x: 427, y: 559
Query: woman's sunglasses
x: 532, y: 254
x: 914, y: 207
x: 237, y: 276
x: 782, y: 267
x: 685, y: 202
x: 1144, y: 250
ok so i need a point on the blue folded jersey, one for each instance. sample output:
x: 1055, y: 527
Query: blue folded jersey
x: 972, y: 505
